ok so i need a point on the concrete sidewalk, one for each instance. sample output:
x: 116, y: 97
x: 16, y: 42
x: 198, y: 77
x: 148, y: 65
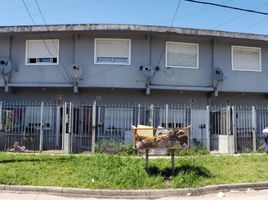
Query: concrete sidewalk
x: 234, y: 195
x: 103, y: 193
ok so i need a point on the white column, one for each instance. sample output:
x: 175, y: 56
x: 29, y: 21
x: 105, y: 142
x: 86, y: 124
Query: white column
x: 139, y: 114
x: 64, y: 121
x: 234, y: 127
x: 151, y: 117
x: 254, y: 125
x: 1, y: 110
x: 93, y: 127
x: 166, y: 116
x: 41, y: 141
x: 208, y: 126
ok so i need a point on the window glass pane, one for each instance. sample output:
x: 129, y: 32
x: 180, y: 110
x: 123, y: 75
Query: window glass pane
x: 44, y: 60
x: 32, y: 60
x: 112, y: 60
x: 104, y: 60
x: 120, y: 60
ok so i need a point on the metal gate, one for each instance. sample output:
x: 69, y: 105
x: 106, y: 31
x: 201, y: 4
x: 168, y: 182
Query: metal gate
x: 81, y: 128
x: 77, y: 127
x: 244, y: 129
x: 262, y: 122
x: 199, y: 129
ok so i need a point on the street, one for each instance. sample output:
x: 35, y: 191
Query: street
x: 233, y: 195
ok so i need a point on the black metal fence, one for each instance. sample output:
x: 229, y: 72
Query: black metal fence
x: 76, y: 127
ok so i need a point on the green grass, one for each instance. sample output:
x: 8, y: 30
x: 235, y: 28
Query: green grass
x: 124, y: 172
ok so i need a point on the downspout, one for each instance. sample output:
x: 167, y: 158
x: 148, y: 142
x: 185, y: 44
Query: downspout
x: 75, y: 80
x: 5, y: 76
x: 149, y: 46
x: 213, y: 69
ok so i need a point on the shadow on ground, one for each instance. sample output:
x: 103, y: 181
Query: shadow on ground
x: 166, y: 173
x: 17, y: 160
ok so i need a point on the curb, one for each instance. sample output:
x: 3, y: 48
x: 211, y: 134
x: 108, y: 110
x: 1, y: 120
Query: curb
x: 133, y: 193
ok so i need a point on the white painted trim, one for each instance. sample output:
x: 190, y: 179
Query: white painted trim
x: 106, y: 63
x: 185, y: 43
x: 42, y: 64
x: 246, y: 47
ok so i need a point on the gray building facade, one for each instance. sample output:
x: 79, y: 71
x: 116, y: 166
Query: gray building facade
x: 181, y: 64
x: 69, y: 86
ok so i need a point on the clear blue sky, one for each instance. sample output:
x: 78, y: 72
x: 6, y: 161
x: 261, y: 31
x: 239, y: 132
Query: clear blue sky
x: 150, y: 12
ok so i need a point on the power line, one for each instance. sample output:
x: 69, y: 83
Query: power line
x: 229, y: 7
x: 60, y: 60
x: 241, y: 15
x: 190, y: 14
x: 172, y: 22
x: 39, y: 9
x: 29, y: 13
x: 227, y: 39
x: 176, y: 11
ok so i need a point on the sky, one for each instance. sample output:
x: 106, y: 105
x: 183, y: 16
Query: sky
x: 146, y: 12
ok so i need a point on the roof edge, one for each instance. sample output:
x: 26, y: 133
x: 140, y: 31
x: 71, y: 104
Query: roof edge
x: 129, y: 27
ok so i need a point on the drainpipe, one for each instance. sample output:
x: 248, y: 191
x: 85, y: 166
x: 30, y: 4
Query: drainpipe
x: 149, y: 48
x: 213, y: 68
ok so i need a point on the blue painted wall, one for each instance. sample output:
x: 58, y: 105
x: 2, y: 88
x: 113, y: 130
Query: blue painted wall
x: 146, y: 48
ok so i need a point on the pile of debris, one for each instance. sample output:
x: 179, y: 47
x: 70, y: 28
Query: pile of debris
x: 163, y: 138
x: 18, y: 148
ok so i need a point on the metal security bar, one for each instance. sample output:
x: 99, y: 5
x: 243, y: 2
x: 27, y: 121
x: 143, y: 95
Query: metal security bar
x: 244, y: 129
x: 74, y: 127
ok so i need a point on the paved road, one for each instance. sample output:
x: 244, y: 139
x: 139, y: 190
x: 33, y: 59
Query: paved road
x: 246, y: 195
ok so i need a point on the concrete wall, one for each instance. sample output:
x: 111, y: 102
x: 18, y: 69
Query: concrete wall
x: 117, y: 96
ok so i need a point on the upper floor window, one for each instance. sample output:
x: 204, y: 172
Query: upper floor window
x: 42, y: 52
x: 182, y: 55
x: 112, y: 51
x: 246, y: 58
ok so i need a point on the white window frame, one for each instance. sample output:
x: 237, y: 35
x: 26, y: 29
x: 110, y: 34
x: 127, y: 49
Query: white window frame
x: 246, y: 47
x: 111, y: 63
x: 47, y: 64
x: 184, y: 43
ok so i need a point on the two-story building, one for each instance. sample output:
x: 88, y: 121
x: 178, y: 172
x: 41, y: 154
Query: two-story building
x: 120, y: 64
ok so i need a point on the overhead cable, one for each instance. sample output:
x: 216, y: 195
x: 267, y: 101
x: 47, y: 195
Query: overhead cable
x: 229, y: 7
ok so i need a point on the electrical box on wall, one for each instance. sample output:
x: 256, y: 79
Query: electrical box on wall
x: 226, y: 144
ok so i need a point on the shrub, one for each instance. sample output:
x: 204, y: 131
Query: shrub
x: 184, y: 180
x: 192, y: 151
x: 261, y: 149
x: 114, y: 147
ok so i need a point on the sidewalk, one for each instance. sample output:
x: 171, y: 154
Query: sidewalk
x: 235, y: 195
x: 104, y: 193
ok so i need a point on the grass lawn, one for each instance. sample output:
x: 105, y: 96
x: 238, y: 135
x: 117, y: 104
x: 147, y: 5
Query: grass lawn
x: 122, y: 172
